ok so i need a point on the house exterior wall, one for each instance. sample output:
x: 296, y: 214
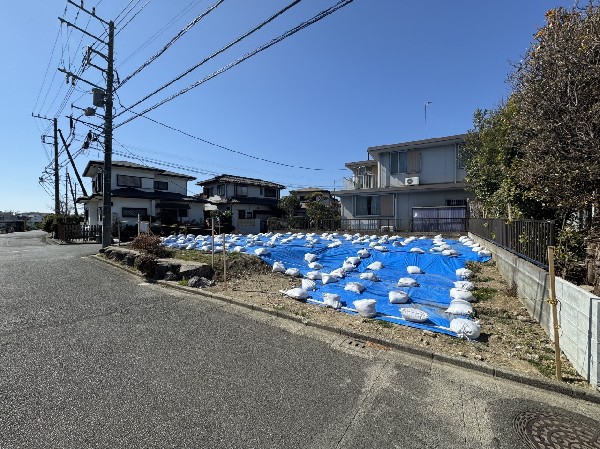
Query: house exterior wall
x: 433, y: 162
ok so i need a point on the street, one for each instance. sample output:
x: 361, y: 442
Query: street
x: 94, y: 357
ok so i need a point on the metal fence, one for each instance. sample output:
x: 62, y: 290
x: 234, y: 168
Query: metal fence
x: 369, y: 224
x: 70, y: 233
x: 527, y: 238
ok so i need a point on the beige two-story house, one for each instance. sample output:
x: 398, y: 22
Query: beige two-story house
x: 410, y: 186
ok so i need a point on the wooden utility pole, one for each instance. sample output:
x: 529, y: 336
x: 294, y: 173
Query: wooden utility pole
x: 553, y: 302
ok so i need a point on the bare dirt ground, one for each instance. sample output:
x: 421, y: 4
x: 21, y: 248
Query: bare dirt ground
x: 510, y: 338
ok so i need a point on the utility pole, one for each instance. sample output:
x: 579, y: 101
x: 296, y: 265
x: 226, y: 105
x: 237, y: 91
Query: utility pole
x: 101, y: 98
x: 108, y: 125
x: 56, y: 174
x: 66, y: 192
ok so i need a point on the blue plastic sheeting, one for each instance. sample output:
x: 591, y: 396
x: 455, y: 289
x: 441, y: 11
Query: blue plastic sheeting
x: 432, y: 295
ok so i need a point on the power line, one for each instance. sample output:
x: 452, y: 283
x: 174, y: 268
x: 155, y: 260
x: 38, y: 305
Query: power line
x: 133, y: 17
x: 218, y: 52
x: 171, y: 22
x: 171, y: 42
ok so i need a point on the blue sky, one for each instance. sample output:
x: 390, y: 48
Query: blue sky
x: 358, y: 78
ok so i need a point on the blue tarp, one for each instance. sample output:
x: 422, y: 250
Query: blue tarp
x: 432, y: 294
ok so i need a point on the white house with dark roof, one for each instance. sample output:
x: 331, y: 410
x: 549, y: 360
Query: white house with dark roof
x: 250, y: 201
x: 150, y: 192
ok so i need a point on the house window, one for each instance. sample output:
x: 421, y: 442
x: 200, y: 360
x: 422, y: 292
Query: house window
x: 209, y: 191
x: 161, y: 185
x: 221, y: 190
x: 241, y: 214
x: 183, y: 213
x: 134, y: 212
x: 241, y: 190
x: 366, y: 205
x: 405, y: 162
x: 97, y: 183
x: 129, y: 181
x: 270, y: 193
x: 462, y: 202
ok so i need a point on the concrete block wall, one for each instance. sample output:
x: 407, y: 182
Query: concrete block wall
x: 578, y: 310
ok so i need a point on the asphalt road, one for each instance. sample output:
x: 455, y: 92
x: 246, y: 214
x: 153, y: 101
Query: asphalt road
x: 93, y: 357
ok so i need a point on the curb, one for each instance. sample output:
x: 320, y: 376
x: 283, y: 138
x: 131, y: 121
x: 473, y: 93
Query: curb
x: 499, y: 373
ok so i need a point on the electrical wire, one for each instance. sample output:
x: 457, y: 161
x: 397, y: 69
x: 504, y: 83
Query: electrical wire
x: 130, y: 20
x: 171, y: 42
x: 155, y: 36
x: 218, y: 52
x: 278, y: 39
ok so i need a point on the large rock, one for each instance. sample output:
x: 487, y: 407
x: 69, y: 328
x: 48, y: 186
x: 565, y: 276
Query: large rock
x: 188, y: 271
x: 200, y: 282
x: 170, y: 276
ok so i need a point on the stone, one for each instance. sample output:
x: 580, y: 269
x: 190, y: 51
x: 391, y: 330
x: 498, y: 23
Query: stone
x: 170, y: 276
x: 130, y: 260
x: 161, y: 270
x: 188, y: 271
x: 200, y: 282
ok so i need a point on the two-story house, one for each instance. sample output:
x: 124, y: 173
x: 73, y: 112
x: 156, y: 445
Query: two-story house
x: 414, y: 186
x: 139, y: 190
x: 250, y: 201
x: 312, y: 194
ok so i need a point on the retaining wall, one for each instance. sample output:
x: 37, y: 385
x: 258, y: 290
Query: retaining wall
x: 578, y: 310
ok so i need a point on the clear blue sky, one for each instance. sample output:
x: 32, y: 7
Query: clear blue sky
x: 358, y: 78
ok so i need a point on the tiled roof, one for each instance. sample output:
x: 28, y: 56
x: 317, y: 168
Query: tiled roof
x: 232, y: 179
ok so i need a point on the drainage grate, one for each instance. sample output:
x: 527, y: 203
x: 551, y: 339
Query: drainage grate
x: 549, y: 431
x: 356, y: 344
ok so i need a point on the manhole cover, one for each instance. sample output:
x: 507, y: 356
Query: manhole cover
x: 546, y: 430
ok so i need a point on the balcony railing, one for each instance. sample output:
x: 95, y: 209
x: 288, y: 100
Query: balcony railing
x: 360, y: 182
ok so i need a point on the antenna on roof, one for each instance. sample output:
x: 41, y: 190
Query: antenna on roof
x: 427, y: 103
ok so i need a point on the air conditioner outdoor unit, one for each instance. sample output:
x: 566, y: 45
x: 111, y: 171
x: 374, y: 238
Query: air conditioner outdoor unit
x: 411, y: 181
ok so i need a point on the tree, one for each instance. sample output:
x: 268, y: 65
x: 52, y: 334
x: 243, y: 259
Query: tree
x: 288, y: 204
x: 316, y: 211
x: 557, y: 107
x: 491, y: 159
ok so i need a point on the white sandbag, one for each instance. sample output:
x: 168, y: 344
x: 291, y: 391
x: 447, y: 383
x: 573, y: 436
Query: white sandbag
x: 398, y: 297
x: 294, y: 272
x: 397, y: 243
x: 450, y: 252
x: 460, y: 307
x: 332, y: 300
x: 464, y: 273
x: 369, y: 276
x: 465, y: 295
x: 296, y: 293
x: 464, y: 285
x: 262, y: 252
x: 464, y: 328
x: 417, y: 250
x: 436, y: 249
x: 484, y: 253
x: 355, y: 287
x: 308, y: 284
x: 278, y: 267
x: 375, y: 266
x: 373, y: 244
x: 315, y: 266
x: 328, y: 279
x: 239, y: 249
x: 363, y: 253
x: 313, y: 275
x: 338, y: 273
x: 413, y: 269
x: 353, y: 260
x: 415, y: 315
x: 309, y: 257
x: 366, y: 307
x: 347, y: 267
x: 381, y: 248
x: 407, y: 282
